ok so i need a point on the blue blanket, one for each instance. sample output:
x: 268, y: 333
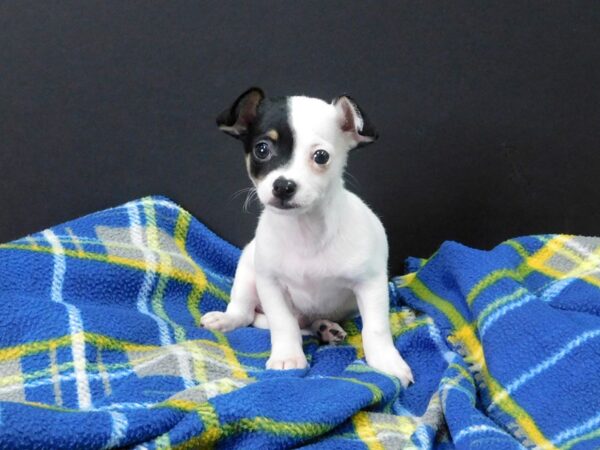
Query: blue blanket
x: 101, y: 347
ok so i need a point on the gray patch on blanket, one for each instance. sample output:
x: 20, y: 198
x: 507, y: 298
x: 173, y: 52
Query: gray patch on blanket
x: 561, y: 263
x: 395, y: 432
x: 14, y: 392
x: 157, y: 362
x: 202, y: 361
x: 590, y: 244
x: 200, y: 394
x: 574, y: 252
x: 387, y: 426
x: 118, y: 242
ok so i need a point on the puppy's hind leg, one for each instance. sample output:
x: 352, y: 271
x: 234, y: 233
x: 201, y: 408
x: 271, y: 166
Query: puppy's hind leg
x: 260, y: 321
x: 328, y: 332
x: 244, y: 298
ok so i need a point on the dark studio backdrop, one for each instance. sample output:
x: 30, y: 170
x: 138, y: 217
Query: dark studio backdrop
x: 488, y: 112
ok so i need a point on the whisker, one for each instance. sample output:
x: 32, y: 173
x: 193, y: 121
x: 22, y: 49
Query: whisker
x: 250, y: 196
x: 352, y: 180
x: 241, y: 191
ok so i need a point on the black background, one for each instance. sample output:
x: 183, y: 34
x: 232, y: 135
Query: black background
x: 489, y: 112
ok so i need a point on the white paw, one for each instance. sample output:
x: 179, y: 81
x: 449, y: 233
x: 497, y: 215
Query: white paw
x: 220, y: 321
x: 390, y: 362
x: 286, y: 360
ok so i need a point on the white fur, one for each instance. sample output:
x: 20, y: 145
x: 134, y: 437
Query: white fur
x: 326, y: 259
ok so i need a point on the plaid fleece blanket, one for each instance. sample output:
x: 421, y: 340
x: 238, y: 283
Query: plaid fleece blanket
x: 101, y: 347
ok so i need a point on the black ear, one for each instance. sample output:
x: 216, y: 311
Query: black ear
x: 354, y: 121
x: 236, y: 119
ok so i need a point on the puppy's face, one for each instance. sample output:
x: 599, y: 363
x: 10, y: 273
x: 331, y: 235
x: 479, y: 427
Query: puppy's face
x: 295, y: 147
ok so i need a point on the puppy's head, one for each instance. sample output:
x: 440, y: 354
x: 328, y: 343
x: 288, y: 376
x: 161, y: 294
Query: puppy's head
x: 295, y: 147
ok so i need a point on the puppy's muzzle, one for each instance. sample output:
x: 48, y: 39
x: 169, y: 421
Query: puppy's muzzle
x: 284, y: 189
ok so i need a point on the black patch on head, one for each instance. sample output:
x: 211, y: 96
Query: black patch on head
x: 272, y: 114
x: 236, y: 119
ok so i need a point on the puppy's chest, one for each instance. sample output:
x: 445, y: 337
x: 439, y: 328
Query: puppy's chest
x: 317, y: 284
x: 311, y: 272
x: 305, y: 267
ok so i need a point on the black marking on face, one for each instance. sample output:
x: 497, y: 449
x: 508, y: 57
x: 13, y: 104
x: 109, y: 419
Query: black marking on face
x: 272, y: 115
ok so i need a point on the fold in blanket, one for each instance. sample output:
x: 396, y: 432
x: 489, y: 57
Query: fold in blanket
x: 100, y: 347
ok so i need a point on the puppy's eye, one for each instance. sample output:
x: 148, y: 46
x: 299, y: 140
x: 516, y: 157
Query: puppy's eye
x: 262, y: 151
x: 321, y: 157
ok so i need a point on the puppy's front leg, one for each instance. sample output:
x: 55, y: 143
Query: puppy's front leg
x: 286, y: 339
x: 372, y: 296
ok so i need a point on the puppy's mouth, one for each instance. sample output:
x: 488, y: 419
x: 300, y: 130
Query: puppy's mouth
x: 283, y: 204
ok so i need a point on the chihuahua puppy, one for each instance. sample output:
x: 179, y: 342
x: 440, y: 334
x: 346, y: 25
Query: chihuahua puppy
x: 320, y: 254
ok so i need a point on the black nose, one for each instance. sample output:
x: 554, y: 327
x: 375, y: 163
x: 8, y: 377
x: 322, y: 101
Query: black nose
x: 283, y: 188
